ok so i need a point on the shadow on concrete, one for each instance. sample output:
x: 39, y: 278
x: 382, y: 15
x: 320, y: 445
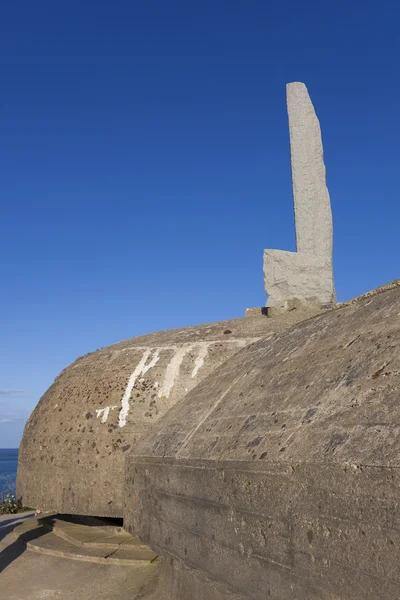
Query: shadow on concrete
x: 18, y: 547
x: 8, y: 525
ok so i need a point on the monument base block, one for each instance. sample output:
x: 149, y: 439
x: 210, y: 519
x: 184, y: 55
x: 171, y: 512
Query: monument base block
x: 294, y: 277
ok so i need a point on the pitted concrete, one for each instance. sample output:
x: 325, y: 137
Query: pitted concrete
x: 383, y: 288
x: 279, y: 475
x: 307, y: 273
x: 72, y: 453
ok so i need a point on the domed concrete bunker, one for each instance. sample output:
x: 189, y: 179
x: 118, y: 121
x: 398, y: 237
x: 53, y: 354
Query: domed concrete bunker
x: 75, y: 442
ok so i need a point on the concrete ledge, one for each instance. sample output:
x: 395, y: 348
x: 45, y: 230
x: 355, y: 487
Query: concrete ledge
x: 379, y: 290
x: 256, y: 312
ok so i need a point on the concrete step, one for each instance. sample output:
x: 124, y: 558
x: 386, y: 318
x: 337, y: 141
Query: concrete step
x: 82, y: 542
x: 91, y: 537
x: 107, y: 524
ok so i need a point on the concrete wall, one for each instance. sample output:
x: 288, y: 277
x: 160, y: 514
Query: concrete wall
x: 278, y: 476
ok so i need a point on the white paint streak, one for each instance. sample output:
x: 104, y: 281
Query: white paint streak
x: 154, y: 360
x: 172, y: 371
x: 140, y: 369
x: 199, y: 362
x: 104, y: 412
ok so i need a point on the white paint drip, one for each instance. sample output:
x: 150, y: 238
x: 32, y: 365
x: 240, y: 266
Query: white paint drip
x: 154, y: 360
x: 104, y: 412
x: 140, y: 369
x: 199, y: 362
x: 172, y: 371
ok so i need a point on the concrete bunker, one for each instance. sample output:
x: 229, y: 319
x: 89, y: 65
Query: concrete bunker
x: 278, y: 476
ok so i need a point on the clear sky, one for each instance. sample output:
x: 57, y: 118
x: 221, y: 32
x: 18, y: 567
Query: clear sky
x: 145, y: 165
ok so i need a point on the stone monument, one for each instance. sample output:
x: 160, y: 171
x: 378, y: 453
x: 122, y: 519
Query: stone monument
x: 304, y: 276
x: 258, y: 458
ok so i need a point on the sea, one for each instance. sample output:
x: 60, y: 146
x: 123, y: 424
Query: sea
x: 8, y: 470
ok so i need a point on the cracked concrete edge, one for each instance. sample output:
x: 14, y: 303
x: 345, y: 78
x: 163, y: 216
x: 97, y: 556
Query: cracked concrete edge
x: 379, y: 290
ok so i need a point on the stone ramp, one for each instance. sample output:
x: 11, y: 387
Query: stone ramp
x: 56, y: 537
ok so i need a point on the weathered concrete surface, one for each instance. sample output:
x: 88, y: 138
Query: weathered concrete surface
x: 307, y: 273
x: 26, y: 575
x: 279, y: 476
x: 383, y: 288
x: 72, y: 453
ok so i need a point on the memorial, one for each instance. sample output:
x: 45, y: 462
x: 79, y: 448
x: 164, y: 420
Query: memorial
x: 307, y: 274
x: 257, y: 457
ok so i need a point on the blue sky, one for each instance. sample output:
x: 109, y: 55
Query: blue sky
x: 145, y: 165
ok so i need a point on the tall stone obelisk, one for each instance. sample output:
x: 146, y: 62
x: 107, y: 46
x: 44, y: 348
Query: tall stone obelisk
x: 307, y: 274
